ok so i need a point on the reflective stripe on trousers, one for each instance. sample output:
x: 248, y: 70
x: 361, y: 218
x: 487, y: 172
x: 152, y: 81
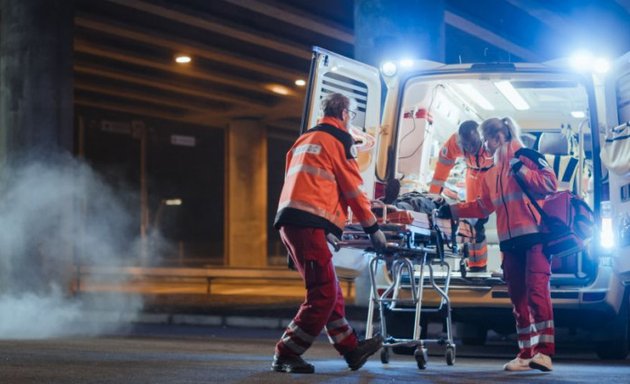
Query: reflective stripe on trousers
x: 527, y: 274
x: 324, y: 303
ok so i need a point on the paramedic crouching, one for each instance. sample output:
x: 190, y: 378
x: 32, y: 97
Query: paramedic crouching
x: 321, y: 180
x: 526, y: 269
x: 466, y: 143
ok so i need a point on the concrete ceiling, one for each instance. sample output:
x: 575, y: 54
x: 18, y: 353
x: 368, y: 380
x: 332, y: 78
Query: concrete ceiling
x: 125, y: 49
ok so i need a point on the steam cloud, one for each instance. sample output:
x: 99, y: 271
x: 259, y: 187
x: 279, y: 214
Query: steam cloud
x: 53, y: 215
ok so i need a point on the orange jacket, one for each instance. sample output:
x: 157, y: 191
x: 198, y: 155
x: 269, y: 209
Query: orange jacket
x: 477, y: 164
x: 321, y: 180
x: 500, y: 192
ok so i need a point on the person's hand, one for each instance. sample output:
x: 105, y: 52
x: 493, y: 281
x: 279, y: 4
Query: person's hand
x: 444, y: 212
x: 334, y: 241
x: 379, y: 242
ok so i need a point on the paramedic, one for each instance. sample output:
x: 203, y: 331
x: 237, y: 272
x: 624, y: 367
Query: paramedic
x: 322, y: 180
x: 467, y: 144
x: 526, y: 269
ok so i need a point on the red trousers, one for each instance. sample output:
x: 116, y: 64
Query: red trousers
x: 527, y: 274
x: 324, y: 305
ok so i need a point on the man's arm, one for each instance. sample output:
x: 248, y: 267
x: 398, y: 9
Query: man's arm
x: 449, y: 152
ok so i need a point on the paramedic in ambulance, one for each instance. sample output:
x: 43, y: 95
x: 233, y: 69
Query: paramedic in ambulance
x: 466, y: 143
x: 526, y: 269
x: 322, y: 180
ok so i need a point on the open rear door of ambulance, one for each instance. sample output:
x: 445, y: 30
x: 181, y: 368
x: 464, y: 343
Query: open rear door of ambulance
x: 361, y: 83
x: 615, y: 156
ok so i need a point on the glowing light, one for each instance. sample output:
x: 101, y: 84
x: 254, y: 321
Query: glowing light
x: 512, y: 95
x: 578, y: 114
x: 300, y: 82
x: 389, y: 68
x: 173, y: 202
x: 183, y: 59
x: 582, y: 61
x: 607, y: 237
x: 279, y: 89
x: 475, y: 96
x: 601, y: 65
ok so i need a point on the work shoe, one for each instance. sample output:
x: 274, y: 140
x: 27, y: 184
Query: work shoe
x: 541, y: 362
x: 478, y: 269
x: 518, y: 364
x: 366, y: 348
x: 291, y: 364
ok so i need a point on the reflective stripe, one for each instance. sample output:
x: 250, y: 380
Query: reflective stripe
x: 338, y: 338
x: 313, y: 149
x: 292, y: 327
x: 439, y: 183
x: 478, y: 246
x: 311, y: 171
x: 337, y: 323
x: 292, y: 346
x: 370, y: 222
x: 547, y: 339
x: 445, y: 161
x: 516, y: 196
x: 535, y: 327
x: 306, y: 207
x: 352, y: 194
x: 528, y: 343
x: 535, y: 340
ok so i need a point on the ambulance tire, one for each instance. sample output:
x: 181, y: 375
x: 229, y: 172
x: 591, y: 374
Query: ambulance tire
x: 617, y: 347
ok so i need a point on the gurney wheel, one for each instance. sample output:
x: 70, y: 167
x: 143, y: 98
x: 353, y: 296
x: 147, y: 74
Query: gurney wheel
x: 450, y: 355
x: 385, y: 355
x: 421, y: 357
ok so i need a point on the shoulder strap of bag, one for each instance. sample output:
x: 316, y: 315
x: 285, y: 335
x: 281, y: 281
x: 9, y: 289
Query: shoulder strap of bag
x: 521, y: 184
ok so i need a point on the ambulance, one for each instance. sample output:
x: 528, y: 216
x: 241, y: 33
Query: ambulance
x: 576, y: 113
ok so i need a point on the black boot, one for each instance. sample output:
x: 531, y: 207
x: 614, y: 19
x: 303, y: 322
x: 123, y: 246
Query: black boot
x: 366, y: 348
x: 291, y: 364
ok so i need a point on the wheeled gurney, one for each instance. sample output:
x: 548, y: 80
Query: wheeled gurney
x: 417, y: 244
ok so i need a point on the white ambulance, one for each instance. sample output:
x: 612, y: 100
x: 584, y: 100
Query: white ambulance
x: 578, y: 118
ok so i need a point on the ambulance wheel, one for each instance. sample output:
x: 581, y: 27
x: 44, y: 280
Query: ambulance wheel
x: 450, y: 354
x: 421, y: 357
x: 385, y: 355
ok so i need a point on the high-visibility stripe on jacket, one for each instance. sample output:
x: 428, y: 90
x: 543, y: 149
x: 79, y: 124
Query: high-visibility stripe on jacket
x: 477, y: 164
x: 321, y: 181
x: 500, y: 192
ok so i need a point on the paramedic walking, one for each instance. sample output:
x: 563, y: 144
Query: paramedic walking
x: 466, y: 144
x: 526, y: 269
x: 322, y: 180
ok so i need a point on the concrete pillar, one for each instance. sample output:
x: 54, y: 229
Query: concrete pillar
x: 246, y: 194
x: 393, y: 30
x: 36, y: 88
x: 36, y: 124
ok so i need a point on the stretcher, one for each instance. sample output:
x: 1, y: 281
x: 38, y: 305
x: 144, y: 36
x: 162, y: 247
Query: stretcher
x: 418, y: 244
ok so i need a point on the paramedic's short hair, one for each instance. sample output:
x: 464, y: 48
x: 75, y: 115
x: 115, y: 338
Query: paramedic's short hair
x: 334, y: 104
x: 467, y: 128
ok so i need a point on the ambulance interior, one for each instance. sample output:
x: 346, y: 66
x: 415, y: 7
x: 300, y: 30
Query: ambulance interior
x: 551, y: 111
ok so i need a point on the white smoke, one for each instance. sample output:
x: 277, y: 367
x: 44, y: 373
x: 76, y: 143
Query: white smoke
x: 53, y: 216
